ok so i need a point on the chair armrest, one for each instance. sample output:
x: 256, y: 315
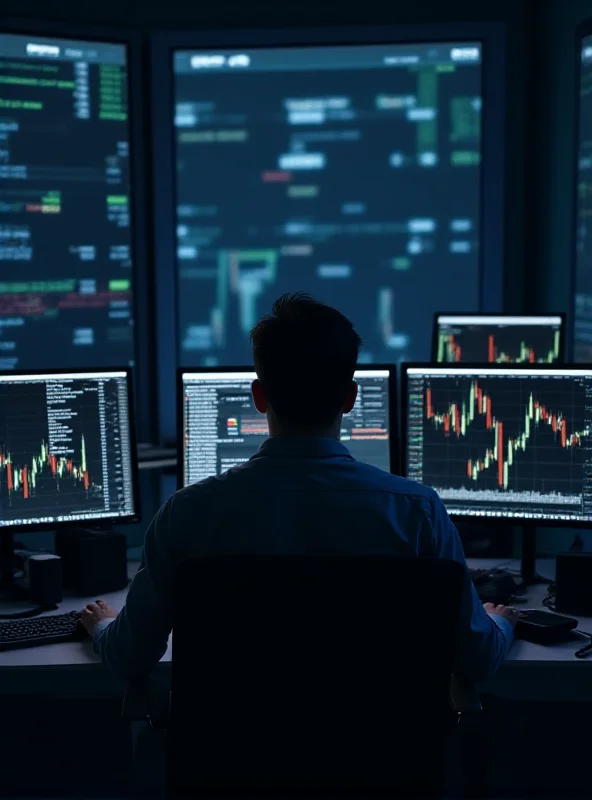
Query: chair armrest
x: 147, y: 700
x: 137, y: 700
x: 464, y: 698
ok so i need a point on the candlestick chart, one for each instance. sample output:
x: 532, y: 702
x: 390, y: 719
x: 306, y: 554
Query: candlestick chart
x: 534, y: 344
x: 26, y: 478
x: 51, y: 461
x: 505, y: 440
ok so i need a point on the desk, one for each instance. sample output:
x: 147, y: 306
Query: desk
x: 531, y: 671
x: 47, y: 669
x: 534, y: 672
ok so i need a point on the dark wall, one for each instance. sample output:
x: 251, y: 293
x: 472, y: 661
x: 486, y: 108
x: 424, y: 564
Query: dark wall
x: 163, y: 14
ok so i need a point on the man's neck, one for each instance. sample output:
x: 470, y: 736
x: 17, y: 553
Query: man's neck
x: 304, y: 433
x: 276, y: 429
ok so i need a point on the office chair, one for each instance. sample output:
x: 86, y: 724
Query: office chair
x: 312, y: 676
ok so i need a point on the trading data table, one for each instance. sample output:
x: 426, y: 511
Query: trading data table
x: 353, y: 173
x: 502, y: 442
x: 65, y: 252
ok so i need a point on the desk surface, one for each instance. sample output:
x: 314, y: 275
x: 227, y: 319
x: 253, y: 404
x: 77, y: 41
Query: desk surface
x: 526, y: 666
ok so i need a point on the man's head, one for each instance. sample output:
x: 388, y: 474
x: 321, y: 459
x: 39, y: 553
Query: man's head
x: 305, y: 354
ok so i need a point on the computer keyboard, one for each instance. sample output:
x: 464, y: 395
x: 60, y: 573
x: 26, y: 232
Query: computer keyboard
x: 21, y: 633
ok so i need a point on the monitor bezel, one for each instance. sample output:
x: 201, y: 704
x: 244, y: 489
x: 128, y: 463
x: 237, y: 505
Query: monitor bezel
x: 144, y: 367
x: 493, y: 38
x: 484, y: 520
x: 562, y: 328
x: 394, y: 444
x: 104, y: 522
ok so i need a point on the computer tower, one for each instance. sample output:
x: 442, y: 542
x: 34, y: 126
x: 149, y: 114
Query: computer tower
x: 94, y: 562
x: 573, y: 584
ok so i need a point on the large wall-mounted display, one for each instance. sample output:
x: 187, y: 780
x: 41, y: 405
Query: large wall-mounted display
x: 65, y: 241
x: 366, y: 172
x: 582, y: 344
x: 327, y: 170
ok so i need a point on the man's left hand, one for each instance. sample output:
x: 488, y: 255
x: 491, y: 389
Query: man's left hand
x: 95, y: 612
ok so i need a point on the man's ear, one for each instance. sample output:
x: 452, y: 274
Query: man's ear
x: 350, y: 399
x: 259, y: 396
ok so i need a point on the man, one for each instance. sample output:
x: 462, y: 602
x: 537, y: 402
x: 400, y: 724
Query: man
x: 302, y: 493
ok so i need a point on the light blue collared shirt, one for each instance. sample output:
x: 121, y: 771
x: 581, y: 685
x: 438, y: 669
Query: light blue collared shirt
x: 295, y: 496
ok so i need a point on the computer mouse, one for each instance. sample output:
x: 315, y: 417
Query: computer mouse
x: 497, y: 589
x: 480, y: 576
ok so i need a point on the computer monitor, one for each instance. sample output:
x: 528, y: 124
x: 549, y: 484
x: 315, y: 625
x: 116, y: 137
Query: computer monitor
x: 502, y: 442
x: 345, y: 163
x: 498, y: 338
x: 67, y: 450
x: 65, y: 203
x: 582, y: 286
x: 220, y: 428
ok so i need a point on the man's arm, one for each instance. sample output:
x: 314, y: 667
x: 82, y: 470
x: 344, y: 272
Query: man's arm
x: 134, y: 642
x: 483, y: 640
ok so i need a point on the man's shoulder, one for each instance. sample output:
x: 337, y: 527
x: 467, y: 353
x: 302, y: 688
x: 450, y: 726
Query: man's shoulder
x: 210, y: 489
x: 200, y: 490
x: 378, y: 479
x: 358, y: 475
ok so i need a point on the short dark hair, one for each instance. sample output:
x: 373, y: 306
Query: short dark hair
x: 305, y: 355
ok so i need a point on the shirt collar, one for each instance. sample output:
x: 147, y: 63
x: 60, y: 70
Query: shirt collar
x: 303, y: 447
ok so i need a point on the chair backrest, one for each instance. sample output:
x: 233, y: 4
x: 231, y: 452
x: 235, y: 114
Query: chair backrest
x: 294, y: 673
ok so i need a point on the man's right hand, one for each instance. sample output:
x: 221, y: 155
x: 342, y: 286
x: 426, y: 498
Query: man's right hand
x: 507, y: 612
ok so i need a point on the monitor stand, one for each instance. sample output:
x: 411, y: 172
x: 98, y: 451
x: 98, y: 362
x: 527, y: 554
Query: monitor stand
x: 14, y: 603
x: 528, y: 559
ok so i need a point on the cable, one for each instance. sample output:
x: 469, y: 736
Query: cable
x: 503, y: 565
x: 586, y: 651
x: 549, y: 600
